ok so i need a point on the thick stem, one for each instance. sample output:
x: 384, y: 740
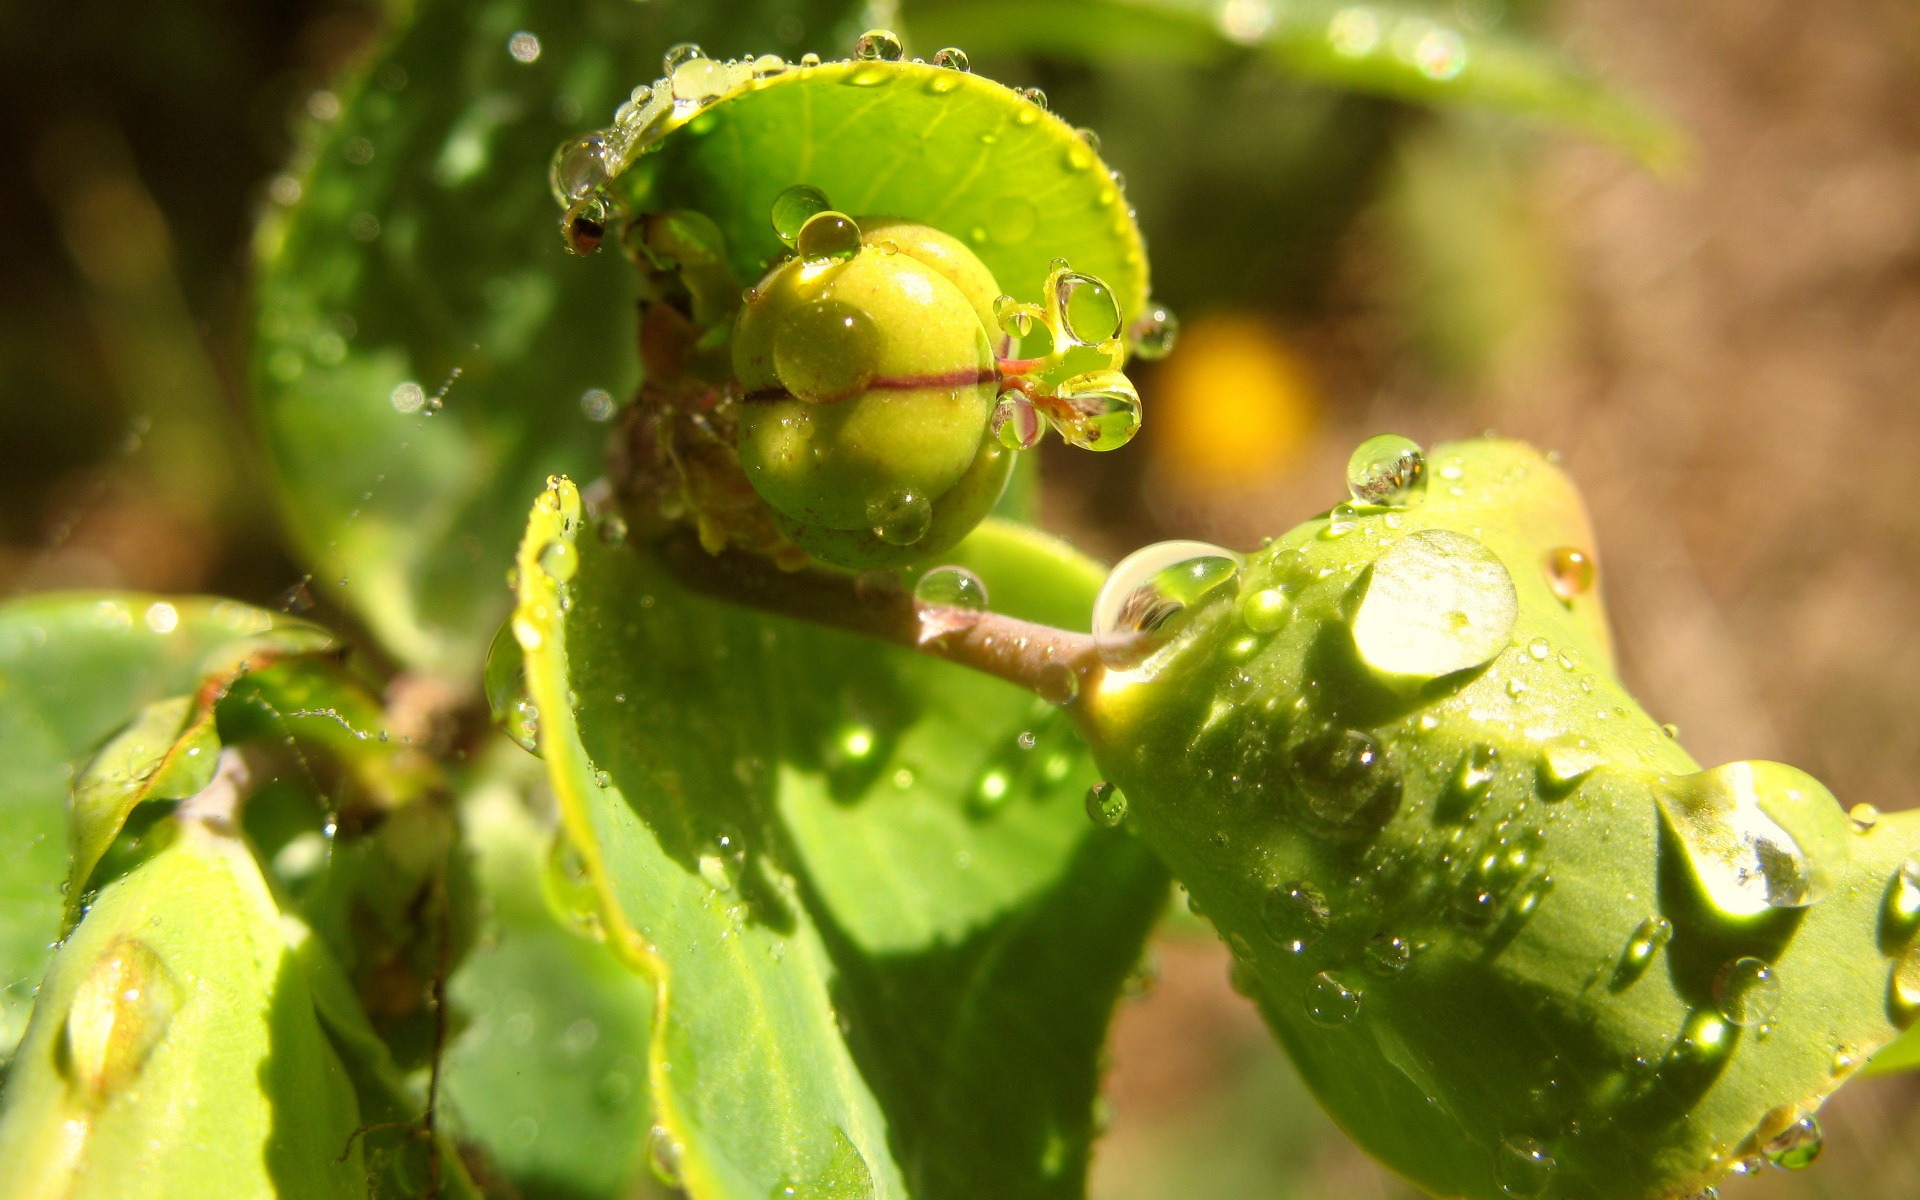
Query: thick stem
x: 1055, y: 664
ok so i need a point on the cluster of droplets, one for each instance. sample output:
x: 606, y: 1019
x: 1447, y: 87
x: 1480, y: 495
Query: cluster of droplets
x: 1062, y: 365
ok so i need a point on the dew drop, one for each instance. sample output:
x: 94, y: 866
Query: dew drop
x: 678, y: 55
x: 579, y: 168
x: 1435, y: 603
x: 1648, y: 939
x: 119, y: 1013
x: 951, y: 587
x: 1387, y: 470
x: 1523, y: 1168
x: 953, y: 58
x: 1747, y: 992
x: 1569, y: 572
x: 1903, y: 990
x: 1388, y: 955
x: 901, y: 520
x: 663, y: 1153
x: 1016, y: 422
x: 1757, y: 835
x: 878, y: 45
x: 1863, y: 817
x: 793, y: 208
x: 1058, y: 683
x: 1152, y: 594
x: 1265, y: 610
x: 1090, y: 315
x: 1330, y: 1003
x: 1564, y: 762
x: 1706, y: 1038
x: 1343, y: 780
x: 1103, y: 410
x: 1295, y: 914
x: 825, y: 351
x: 1106, y: 805
x: 698, y: 80
x: 584, y: 227
x: 1900, y: 910
x: 1474, y: 775
x: 827, y: 237
x: 1796, y: 1147
x: 1155, y: 333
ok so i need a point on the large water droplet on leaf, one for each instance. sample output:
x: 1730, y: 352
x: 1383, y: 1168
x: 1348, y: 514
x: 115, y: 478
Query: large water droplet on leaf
x: 120, y: 1012
x: 1388, y: 469
x: 1758, y: 835
x: 1436, y: 602
x: 1153, y: 593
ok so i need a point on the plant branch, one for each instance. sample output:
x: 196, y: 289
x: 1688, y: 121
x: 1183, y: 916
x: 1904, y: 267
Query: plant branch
x: 1055, y: 664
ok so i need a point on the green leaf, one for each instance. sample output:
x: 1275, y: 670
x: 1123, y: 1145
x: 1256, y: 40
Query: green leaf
x: 174, y: 1050
x: 550, y: 1076
x: 956, y: 151
x: 75, y: 667
x: 885, y: 937
x: 167, y: 753
x: 422, y: 269
x: 1394, y: 49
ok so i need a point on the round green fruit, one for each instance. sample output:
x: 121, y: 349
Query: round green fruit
x: 869, y: 381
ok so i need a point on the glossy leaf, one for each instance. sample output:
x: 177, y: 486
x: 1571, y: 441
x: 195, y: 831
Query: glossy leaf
x: 1512, y: 936
x: 74, y: 667
x: 884, y: 938
x: 941, y: 147
x: 1398, y: 50
x: 174, y: 1050
x: 550, y: 1074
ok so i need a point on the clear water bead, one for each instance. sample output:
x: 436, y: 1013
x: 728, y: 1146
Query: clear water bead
x: 1152, y: 594
x: 878, y: 45
x: 793, y: 208
x: 1523, y: 1168
x: 1016, y: 422
x: 1103, y: 410
x: 1106, y: 805
x: 953, y: 58
x: 1331, y: 1003
x: 1758, y: 835
x: 1796, y: 1147
x: 826, y: 236
x: 1747, y: 992
x: 1295, y: 914
x: 1155, y: 333
x: 951, y: 587
x: 1387, y: 470
x: 1436, y: 602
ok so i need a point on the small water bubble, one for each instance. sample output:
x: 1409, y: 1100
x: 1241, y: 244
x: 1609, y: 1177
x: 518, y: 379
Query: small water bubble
x: 1648, y: 939
x: 1903, y: 989
x: 793, y: 208
x: 1012, y: 220
x: 1705, y: 1038
x: 1106, y: 805
x: 1863, y: 817
x: 878, y: 45
x: 663, y: 1152
x: 1523, y: 1168
x: 1388, y: 955
x: 584, y: 225
x: 993, y: 789
x: 1386, y: 470
x: 1564, y: 762
x: 809, y: 59
x: 1295, y: 914
x: 1440, y: 54
x: 1345, y: 783
x: 1016, y: 422
x: 1331, y: 1003
x: 1150, y: 596
x: 951, y: 587
x: 524, y: 47
x: 1265, y: 610
x: 828, y: 236
x: 1569, y: 572
x: 1058, y: 683
x: 902, y: 519
x: 1747, y: 991
x: 1155, y: 333
x: 1474, y: 775
x: 118, y: 1015
x: 1034, y: 96
x: 579, y: 168
x: 679, y: 55
x: 1796, y: 1147
x: 698, y: 80
x: 1900, y: 910
x: 953, y: 58
x: 766, y: 66
x: 1102, y: 410
x: 560, y: 560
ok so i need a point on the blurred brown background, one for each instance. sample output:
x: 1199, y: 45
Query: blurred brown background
x: 1728, y: 358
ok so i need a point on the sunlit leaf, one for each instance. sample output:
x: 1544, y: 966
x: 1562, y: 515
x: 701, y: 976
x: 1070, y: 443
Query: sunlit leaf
x: 885, y: 937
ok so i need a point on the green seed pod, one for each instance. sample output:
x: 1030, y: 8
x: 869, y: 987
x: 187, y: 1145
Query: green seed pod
x: 869, y: 380
x: 1516, y: 940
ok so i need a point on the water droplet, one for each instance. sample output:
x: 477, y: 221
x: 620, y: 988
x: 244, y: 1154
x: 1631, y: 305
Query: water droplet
x: 1747, y: 992
x: 1648, y: 939
x: 663, y: 1156
x: 1388, y: 955
x: 827, y: 236
x: 952, y: 587
x: 1758, y: 835
x: 1863, y: 817
x: 1523, y: 1168
x: 878, y: 45
x: 1343, y: 780
x: 1016, y: 422
x: 579, y: 168
x: 1387, y: 470
x: 1706, y: 1038
x: 1102, y: 410
x: 1330, y: 1003
x: 794, y: 207
x: 1569, y: 572
x: 583, y: 226
x: 1564, y: 762
x: 683, y: 52
x: 1090, y: 315
x: 1265, y: 610
x: 1474, y: 775
x: 120, y: 1012
x: 1295, y: 915
x: 559, y: 560
x: 1155, y: 333
x: 1106, y: 805
x: 826, y: 351
x: 1539, y: 648
x: 1900, y: 911
x: 767, y: 66
x: 1796, y: 1147
x: 1436, y: 602
x: 1152, y: 594
x: 953, y: 58
x: 1033, y: 96
x: 901, y: 520
x: 1058, y: 684
x: 1903, y: 990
